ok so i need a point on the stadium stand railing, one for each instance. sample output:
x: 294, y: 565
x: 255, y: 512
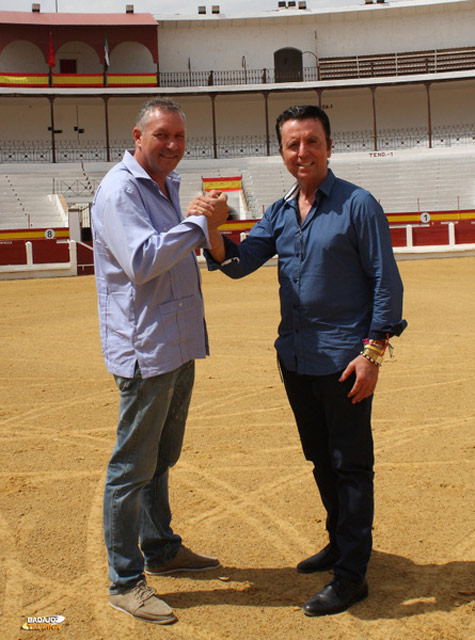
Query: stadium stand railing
x: 14, y: 151
x: 397, y: 64
x: 335, y: 68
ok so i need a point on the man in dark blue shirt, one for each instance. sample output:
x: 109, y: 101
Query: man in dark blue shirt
x: 341, y: 301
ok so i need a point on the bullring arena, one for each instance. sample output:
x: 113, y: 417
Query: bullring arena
x: 241, y: 489
x: 397, y: 78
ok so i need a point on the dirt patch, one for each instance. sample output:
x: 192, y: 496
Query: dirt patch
x: 242, y: 489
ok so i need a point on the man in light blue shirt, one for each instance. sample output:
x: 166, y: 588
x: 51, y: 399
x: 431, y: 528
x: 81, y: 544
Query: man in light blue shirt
x: 341, y: 301
x: 152, y: 328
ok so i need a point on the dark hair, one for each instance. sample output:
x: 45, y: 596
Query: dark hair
x: 164, y: 104
x: 303, y: 112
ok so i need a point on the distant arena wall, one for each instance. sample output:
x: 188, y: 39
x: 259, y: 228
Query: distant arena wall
x: 391, y: 75
x: 50, y: 253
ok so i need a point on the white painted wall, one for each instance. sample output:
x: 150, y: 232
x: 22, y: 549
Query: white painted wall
x: 122, y: 114
x: 221, y: 44
x: 401, y: 107
x: 84, y: 114
x: 85, y: 56
x: 240, y: 113
x: 199, y: 122
x: 22, y: 57
x: 453, y: 105
x: 23, y: 119
x: 349, y: 110
x: 278, y: 102
x: 131, y: 57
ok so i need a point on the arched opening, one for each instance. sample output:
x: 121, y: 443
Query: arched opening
x: 21, y: 56
x: 131, y: 57
x: 288, y: 65
x: 77, y: 57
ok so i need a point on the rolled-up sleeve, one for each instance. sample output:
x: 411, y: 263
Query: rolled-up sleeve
x: 379, y: 264
x: 249, y: 255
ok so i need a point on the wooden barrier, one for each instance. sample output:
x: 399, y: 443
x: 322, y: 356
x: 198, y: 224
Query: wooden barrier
x: 49, y: 252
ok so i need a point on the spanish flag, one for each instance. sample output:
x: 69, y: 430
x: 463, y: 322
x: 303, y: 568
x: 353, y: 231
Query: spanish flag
x: 222, y: 184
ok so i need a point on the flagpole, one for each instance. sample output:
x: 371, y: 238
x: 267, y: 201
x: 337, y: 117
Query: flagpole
x: 106, y: 59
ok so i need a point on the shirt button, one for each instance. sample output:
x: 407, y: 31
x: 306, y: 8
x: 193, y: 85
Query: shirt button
x: 180, y: 304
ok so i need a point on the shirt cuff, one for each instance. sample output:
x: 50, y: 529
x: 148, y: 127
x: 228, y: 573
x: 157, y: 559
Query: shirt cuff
x: 393, y: 330
x: 230, y: 256
x: 202, y: 223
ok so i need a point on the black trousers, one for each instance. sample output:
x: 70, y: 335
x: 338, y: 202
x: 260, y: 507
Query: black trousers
x: 336, y: 437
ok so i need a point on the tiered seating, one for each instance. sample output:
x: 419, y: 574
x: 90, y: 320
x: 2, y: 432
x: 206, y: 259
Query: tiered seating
x: 267, y: 181
x: 12, y: 211
x: 26, y: 201
x: 403, y: 181
x: 413, y: 181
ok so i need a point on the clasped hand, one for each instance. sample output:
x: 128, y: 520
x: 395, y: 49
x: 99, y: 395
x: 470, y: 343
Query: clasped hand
x: 213, y: 205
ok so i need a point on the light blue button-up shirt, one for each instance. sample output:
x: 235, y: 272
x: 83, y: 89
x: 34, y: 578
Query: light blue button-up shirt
x: 148, y: 280
x: 338, y: 278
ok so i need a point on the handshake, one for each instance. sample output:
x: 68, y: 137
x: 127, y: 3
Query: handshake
x: 214, y: 205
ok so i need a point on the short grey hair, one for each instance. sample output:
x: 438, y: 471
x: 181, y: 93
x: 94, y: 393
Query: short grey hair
x: 164, y: 104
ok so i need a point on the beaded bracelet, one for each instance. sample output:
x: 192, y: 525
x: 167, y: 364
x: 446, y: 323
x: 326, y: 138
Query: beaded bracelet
x: 374, y: 350
x: 378, y: 362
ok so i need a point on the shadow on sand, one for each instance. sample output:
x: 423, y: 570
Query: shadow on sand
x: 399, y: 588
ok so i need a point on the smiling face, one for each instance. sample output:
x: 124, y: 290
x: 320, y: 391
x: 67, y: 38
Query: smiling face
x: 160, y: 143
x: 305, y: 151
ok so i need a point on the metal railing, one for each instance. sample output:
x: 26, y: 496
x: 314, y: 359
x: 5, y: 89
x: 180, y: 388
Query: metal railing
x: 387, y: 64
x: 335, y: 68
x: 245, y: 146
x: 71, y: 188
x: 397, y: 64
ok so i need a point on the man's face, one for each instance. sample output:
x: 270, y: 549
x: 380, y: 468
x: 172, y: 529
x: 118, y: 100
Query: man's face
x: 160, y: 145
x: 305, y: 150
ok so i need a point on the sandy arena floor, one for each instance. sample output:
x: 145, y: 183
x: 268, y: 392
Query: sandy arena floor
x: 242, y: 489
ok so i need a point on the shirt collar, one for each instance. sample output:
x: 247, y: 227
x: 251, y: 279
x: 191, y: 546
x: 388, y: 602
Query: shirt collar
x: 139, y: 172
x: 325, y: 187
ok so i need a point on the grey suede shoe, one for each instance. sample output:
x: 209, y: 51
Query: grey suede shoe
x: 141, y: 602
x: 185, y: 560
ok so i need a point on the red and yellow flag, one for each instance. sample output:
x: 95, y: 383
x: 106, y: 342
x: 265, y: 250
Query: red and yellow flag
x: 51, y: 60
x: 233, y: 183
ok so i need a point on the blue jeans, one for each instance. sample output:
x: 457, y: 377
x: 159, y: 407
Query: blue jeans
x: 152, y: 417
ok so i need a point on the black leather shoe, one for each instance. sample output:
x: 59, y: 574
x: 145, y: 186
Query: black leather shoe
x: 324, y: 560
x: 337, y: 596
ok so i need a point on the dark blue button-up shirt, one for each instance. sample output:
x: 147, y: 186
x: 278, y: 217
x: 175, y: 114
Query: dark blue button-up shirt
x: 339, y: 282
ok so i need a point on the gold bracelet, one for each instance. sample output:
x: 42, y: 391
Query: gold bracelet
x: 377, y: 355
x: 377, y: 345
x: 374, y: 350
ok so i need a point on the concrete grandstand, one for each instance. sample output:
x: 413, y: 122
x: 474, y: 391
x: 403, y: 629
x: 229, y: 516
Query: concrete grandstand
x: 398, y: 81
